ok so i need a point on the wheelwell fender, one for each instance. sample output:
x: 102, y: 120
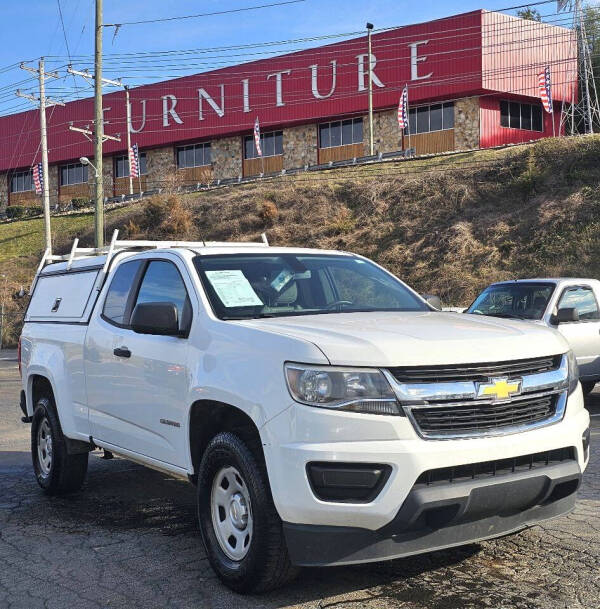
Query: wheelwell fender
x: 37, y: 386
x: 209, y: 417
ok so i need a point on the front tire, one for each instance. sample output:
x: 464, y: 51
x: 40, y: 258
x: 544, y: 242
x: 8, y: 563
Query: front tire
x: 57, y: 471
x: 240, y: 527
x: 587, y: 387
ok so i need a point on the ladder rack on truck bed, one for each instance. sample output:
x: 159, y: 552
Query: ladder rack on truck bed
x: 116, y: 246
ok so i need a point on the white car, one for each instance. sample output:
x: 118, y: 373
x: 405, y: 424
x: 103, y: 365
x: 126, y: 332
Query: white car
x: 326, y: 412
x: 569, y: 305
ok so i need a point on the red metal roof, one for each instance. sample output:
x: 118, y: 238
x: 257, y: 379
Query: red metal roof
x: 458, y: 56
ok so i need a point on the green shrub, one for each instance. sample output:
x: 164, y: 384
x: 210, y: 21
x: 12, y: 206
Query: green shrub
x: 80, y: 203
x: 16, y: 211
x: 34, y: 210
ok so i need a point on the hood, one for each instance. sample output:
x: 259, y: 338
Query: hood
x: 416, y: 339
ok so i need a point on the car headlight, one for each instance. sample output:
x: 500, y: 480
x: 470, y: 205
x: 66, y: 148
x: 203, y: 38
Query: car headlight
x: 573, y: 372
x: 363, y: 390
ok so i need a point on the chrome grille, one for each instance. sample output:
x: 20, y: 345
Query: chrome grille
x: 446, y: 402
x: 475, y: 372
x: 477, y: 417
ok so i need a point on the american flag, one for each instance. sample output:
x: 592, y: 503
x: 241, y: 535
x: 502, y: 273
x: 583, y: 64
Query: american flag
x: 38, y: 178
x: 403, y: 109
x: 257, y: 137
x: 545, y: 86
x: 134, y: 162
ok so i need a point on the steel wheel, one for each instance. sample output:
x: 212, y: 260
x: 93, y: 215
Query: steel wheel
x: 231, y: 512
x: 44, y: 447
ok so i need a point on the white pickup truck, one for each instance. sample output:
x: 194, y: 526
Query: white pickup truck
x: 567, y: 304
x: 326, y: 412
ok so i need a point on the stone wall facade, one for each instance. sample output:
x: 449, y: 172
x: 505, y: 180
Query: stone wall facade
x: 108, y: 179
x: 3, y: 192
x: 53, y: 185
x: 161, y: 166
x: 226, y: 157
x: 466, y: 123
x: 300, y: 146
x: 385, y: 128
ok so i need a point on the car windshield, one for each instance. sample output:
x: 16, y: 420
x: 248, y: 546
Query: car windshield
x: 516, y: 300
x: 250, y: 286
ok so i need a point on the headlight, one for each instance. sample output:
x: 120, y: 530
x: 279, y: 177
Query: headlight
x: 357, y: 390
x: 573, y: 372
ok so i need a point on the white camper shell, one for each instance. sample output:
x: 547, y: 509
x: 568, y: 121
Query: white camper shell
x: 65, y: 288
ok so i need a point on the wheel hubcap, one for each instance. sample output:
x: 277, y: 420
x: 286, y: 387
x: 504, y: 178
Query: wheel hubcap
x: 44, y: 447
x: 231, y: 513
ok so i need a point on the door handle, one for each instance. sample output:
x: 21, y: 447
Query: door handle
x: 122, y: 352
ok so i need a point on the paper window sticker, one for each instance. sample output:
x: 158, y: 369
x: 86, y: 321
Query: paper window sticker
x: 233, y: 288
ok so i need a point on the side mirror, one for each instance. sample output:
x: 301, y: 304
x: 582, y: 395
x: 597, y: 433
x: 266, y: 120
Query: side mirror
x: 156, y: 318
x: 433, y: 300
x: 566, y: 315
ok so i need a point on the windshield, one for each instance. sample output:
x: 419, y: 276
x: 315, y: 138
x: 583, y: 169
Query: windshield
x: 518, y: 300
x: 249, y: 286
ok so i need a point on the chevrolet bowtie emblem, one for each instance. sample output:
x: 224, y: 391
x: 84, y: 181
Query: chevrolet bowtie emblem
x: 499, y: 388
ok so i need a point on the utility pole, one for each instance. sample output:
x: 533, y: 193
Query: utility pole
x: 98, y: 127
x: 44, y: 136
x: 128, y: 107
x: 43, y: 103
x: 371, y: 145
x: 2, y: 309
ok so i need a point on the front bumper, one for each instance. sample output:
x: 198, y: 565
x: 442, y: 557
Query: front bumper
x: 390, y: 525
x: 434, y: 518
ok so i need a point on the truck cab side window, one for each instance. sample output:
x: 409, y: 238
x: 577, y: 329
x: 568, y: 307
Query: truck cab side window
x: 581, y: 298
x: 115, y: 305
x: 163, y: 283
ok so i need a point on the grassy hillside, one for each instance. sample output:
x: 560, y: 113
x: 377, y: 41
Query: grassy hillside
x: 448, y: 226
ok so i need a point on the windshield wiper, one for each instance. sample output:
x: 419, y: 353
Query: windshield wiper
x: 505, y: 315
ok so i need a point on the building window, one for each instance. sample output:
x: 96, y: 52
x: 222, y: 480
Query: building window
x: 75, y: 173
x: 21, y: 181
x: 341, y: 133
x: 271, y: 144
x: 436, y: 117
x: 516, y: 115
x: 122, y: 165
x: 195, y: 155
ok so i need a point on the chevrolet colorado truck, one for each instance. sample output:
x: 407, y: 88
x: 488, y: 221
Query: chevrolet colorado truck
x: 326, y: 413
x: 567, y: 304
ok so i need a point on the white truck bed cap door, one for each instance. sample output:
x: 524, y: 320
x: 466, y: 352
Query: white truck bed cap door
x: 63, y: 297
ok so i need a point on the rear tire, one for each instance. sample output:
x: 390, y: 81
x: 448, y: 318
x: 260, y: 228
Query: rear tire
x: 240, y: 527
x: 587, y: 387
x: 57, y: 471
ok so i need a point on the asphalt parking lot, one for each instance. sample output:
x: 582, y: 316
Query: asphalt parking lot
x: 129, y: 540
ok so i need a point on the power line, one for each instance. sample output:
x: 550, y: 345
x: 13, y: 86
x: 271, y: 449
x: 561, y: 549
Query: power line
x: 520, y: 25
x: 250, y: 70
x: 64, y: 31
x: 226, y: 12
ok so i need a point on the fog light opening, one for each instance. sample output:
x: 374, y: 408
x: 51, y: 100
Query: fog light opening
x: 347, y: 482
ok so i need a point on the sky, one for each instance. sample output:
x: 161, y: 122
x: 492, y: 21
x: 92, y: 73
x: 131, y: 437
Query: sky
x: 32, y: 29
